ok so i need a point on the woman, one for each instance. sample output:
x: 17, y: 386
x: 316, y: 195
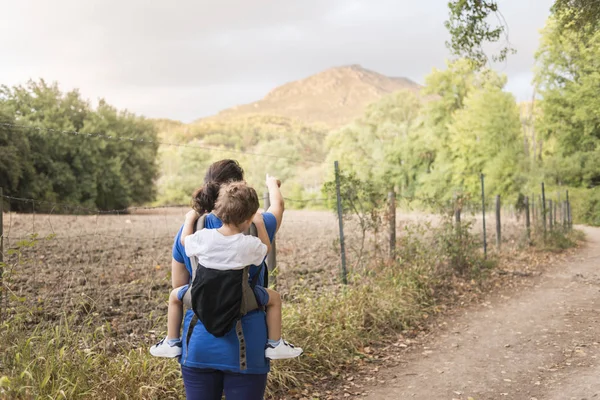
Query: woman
x: 235, y: 363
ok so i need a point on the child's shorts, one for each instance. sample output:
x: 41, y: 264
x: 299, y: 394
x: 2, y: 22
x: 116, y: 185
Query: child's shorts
x: 182, y: 291
x: 261, y: 294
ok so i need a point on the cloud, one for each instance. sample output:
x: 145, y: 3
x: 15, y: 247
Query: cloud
x: 188, y: 59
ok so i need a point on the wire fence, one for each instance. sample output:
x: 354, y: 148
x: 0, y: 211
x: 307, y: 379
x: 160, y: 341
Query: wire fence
x: 62, y: 258
x: 116, y: 263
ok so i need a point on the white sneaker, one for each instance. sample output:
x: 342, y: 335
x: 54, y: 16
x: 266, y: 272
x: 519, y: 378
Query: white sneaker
x: 164, y: 349
x: 282, y: 350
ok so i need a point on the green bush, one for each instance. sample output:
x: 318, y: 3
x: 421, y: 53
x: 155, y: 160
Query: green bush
x: 586, y: 206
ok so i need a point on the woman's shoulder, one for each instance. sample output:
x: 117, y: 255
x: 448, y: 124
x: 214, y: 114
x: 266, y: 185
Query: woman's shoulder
x: 212, y: 221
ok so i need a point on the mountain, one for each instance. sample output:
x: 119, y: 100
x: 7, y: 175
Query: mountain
x: 282, y: 134
x: 333, y: 97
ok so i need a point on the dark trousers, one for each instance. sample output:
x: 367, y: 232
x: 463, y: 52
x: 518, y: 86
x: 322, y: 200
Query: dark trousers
x: 201, y: 384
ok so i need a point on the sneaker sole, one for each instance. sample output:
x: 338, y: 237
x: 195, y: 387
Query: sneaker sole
x: 283, y: 357
x: 164, y: 355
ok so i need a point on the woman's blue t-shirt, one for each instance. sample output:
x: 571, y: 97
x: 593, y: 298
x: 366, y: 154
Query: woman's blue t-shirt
x: 222, y: 353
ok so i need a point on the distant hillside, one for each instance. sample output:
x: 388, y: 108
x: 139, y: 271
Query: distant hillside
x: 283, y: 134
x: 333, y: 97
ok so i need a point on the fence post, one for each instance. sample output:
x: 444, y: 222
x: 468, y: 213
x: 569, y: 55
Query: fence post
x: 564, y: 215
x: 392, y: 222
x: 272, y: 256
x: 554, y: 213
x: 533, y: 209
x: 457, y: 212
x: 483, y: 212
x: 569, y: 216
x: 498, y: 223
x: 1, y: 255
x: 527, y: 220
x: 544, y: 208
x: 550, y: 220
x: 559, y: 211
x: 341, y: 221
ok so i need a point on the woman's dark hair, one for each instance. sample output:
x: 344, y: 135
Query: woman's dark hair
x: 219, y: 173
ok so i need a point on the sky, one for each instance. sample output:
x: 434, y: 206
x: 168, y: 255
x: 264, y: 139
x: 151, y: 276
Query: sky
x: 186, y: 59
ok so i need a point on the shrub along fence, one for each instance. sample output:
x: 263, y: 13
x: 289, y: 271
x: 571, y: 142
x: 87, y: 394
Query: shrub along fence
x: 361, y: 200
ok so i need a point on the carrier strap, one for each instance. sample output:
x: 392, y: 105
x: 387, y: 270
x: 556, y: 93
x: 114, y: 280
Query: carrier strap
x: 193, y: 323
x: 242, y: 343
x: 187, y: 298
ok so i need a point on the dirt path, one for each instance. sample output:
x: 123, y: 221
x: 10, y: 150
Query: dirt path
x: 540, y: 343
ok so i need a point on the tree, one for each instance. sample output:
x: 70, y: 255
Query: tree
x: 568, y: 76
x: 261, y: 143
x: 470, y: 25
x: 15, y: 162
x: 56, y: 150
x: 125, y: 171
x: 486, y: 138
x: 386, y: 145
x: 59, y: 160
x: 449, y: 90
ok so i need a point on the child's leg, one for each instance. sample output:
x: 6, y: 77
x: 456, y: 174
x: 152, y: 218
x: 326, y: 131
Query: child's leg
x: 179, y: 274
x: 174, y: 315
x: 276, y: 347
x: 171, y: 345
x: 274, y: 315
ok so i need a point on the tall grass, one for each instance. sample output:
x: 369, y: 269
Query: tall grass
x: 66, y: 361
x: 63, y: 360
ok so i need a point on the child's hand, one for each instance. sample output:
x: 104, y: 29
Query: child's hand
x: 191, y: 216
x: 271, y: 180
x: 258, y: 219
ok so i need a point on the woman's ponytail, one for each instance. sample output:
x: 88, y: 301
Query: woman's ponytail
x: 220, y: 172
x: 204, y: 199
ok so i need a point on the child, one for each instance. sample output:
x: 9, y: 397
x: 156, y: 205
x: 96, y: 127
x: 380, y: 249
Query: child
x: 228, y: 248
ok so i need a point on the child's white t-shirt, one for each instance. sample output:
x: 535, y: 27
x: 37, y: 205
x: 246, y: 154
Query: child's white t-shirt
x: 217, y: 251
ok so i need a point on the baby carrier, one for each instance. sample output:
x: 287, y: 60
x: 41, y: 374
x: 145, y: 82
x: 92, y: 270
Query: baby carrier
x: 221, y: 298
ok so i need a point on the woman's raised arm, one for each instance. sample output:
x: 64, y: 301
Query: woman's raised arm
x: 276, y: 199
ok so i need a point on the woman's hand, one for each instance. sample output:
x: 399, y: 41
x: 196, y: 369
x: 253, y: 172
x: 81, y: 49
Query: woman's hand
x: 191, y: 216
x: 272, y: 181
x: 276, y: 199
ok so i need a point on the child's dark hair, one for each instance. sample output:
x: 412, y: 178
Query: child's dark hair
x: 237, y: 203
x: 219, y: 173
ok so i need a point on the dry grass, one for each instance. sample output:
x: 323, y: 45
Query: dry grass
x: 86, y: 303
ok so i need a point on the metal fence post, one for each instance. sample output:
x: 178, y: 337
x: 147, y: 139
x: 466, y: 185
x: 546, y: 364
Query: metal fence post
x: 498, y: 223
x: 544, y: 208
x: 533, y: 209
x: 341, y: 221
x: 569, y: 216
x: 527, y: 220
x: 550, y: 216
x: 272, y: 256
x: 392, y: 222
x: 559, y: 212
x: 483, y: 212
